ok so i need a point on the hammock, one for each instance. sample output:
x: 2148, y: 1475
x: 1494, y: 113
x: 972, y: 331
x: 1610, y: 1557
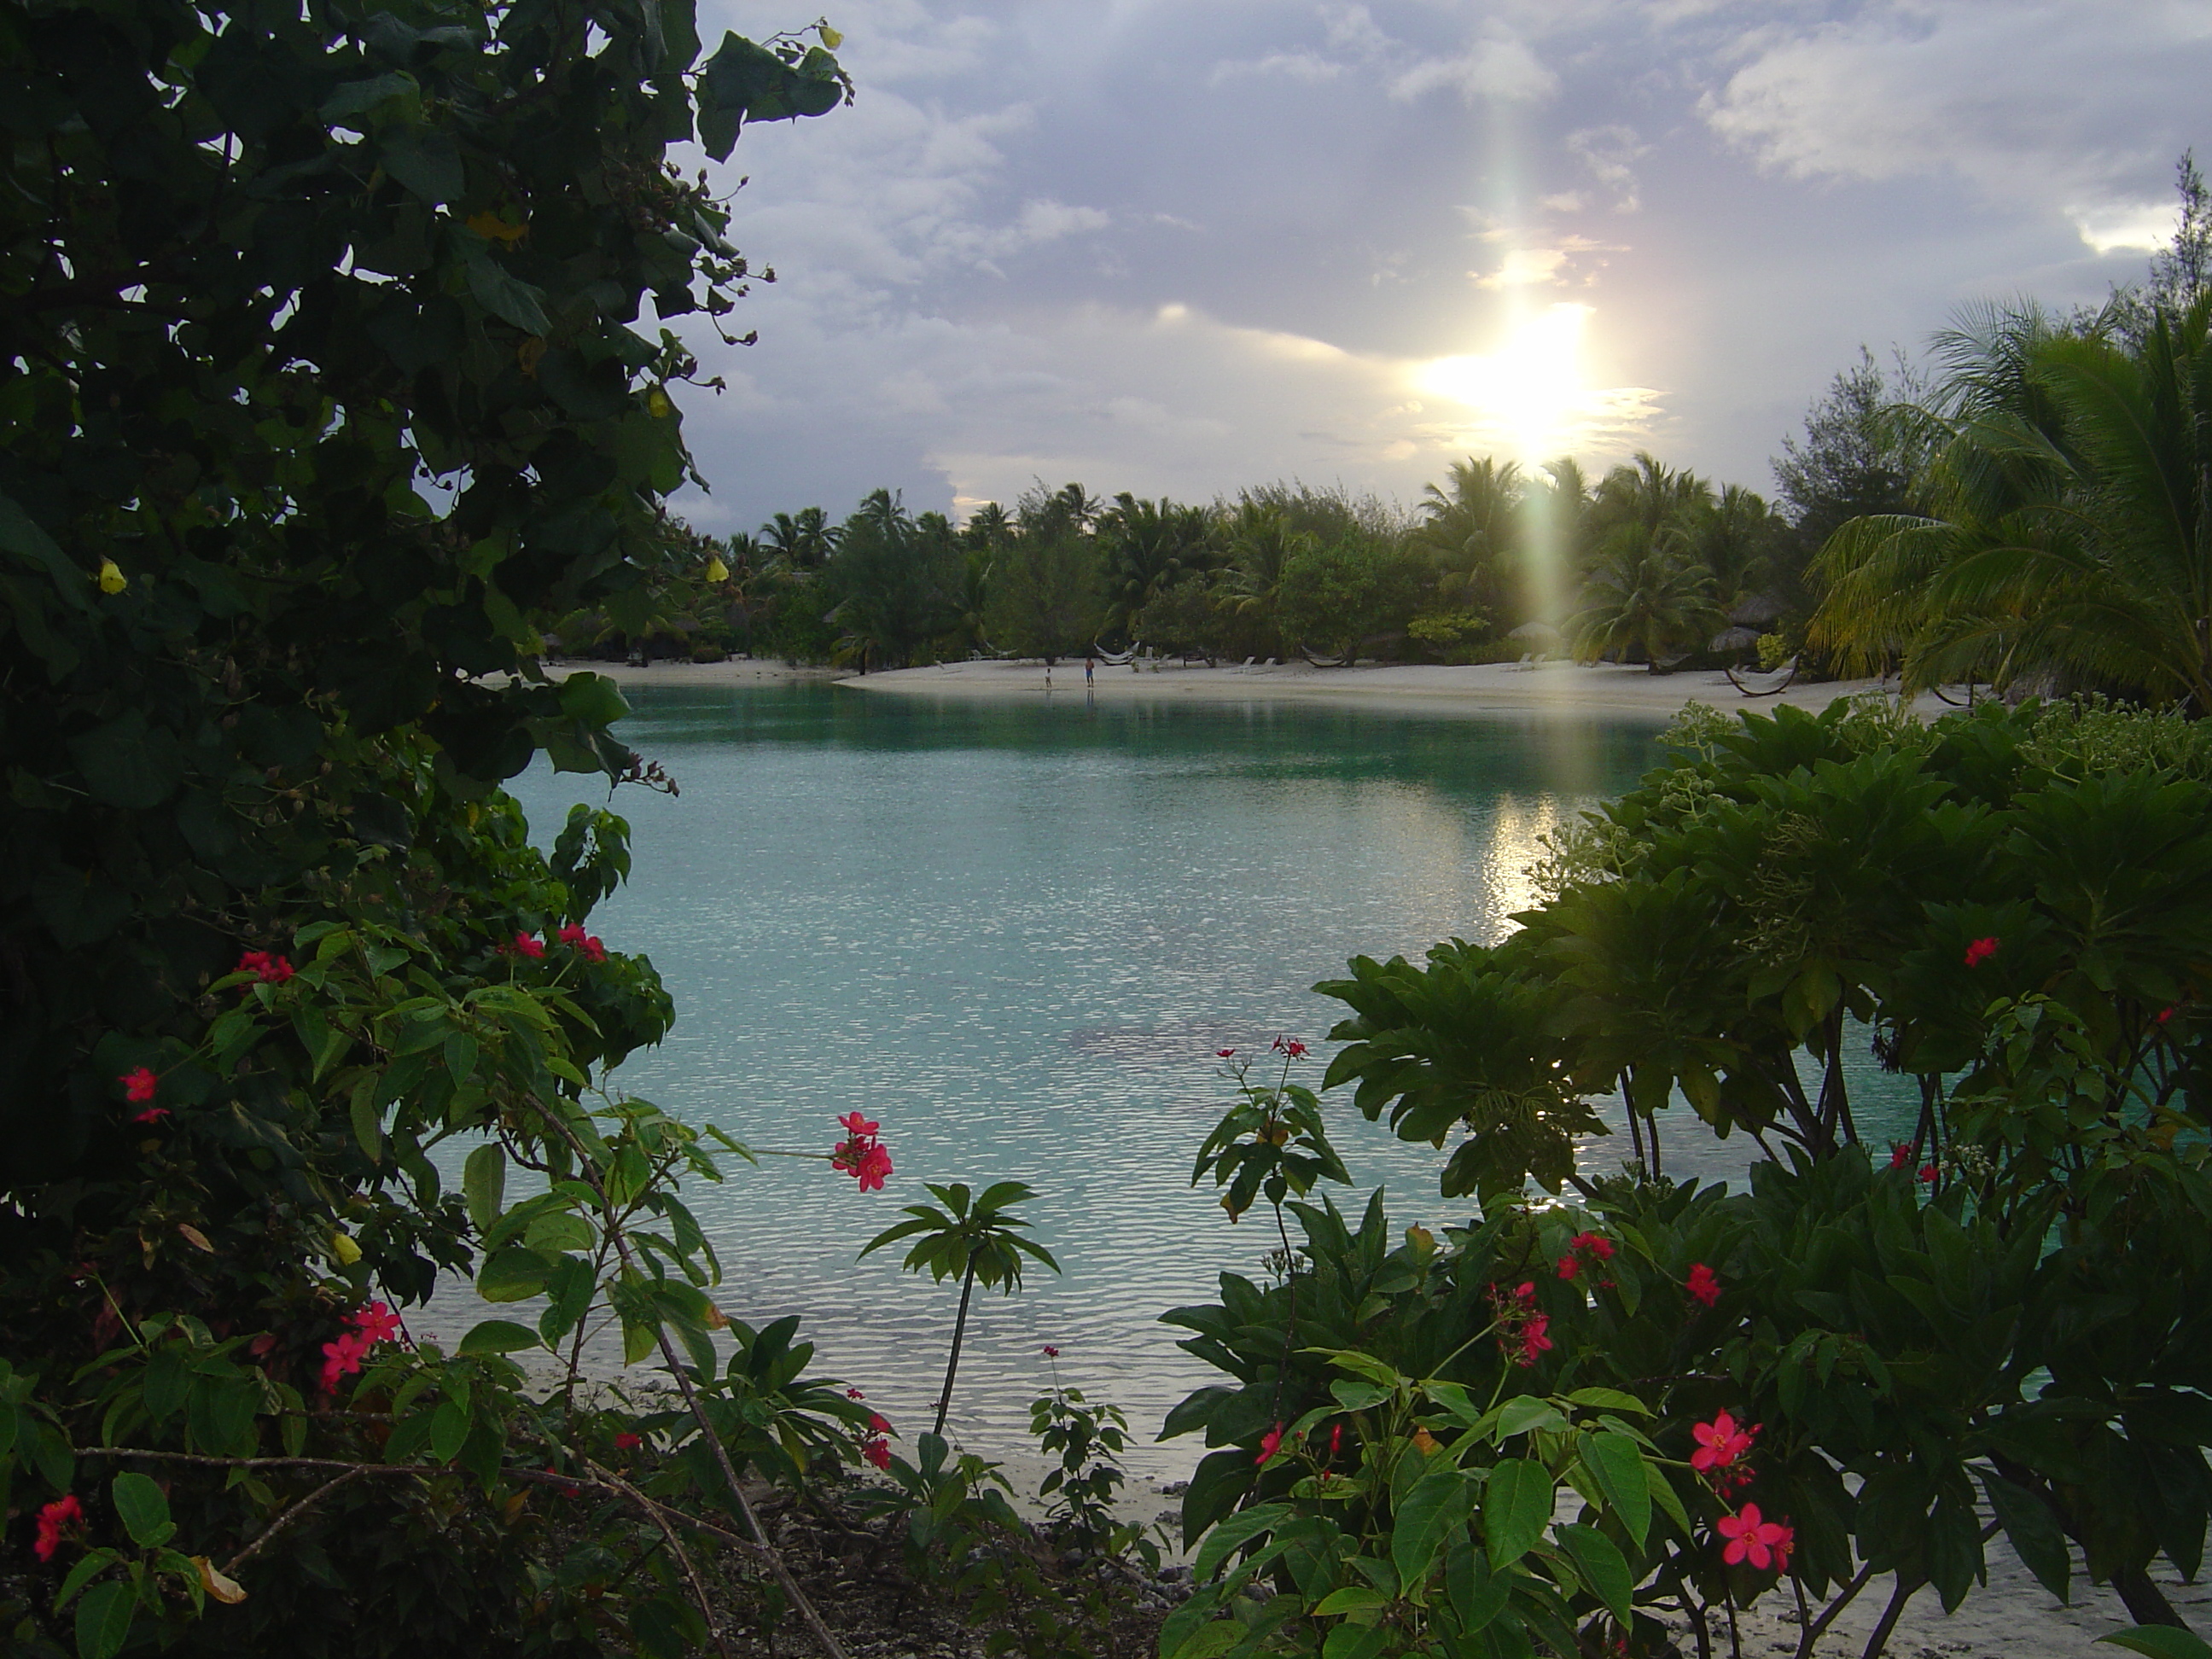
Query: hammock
x: 1114, y: 658
x: 1323, y: 662
x: 1768, y: 684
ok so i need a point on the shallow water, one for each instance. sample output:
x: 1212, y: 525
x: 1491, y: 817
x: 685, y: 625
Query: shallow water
x: 1016, y: 934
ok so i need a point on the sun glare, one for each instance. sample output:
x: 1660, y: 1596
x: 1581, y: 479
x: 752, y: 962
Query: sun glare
x: 1528, y: 395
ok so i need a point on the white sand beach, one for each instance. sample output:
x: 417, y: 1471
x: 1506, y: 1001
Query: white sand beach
x: 1561, y: 687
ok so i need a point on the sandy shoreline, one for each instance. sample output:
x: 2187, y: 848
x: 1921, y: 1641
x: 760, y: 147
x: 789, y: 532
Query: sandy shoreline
x: 1563, y: 688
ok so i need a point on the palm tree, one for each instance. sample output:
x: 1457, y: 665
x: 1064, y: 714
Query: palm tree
x: 2067, y: 543
x: 1734, y: 538
x: 1262, y: 546
x: 1149, y: 546
x: 1473, y: 526
x: 1644, y: 596
x: 800, y: 541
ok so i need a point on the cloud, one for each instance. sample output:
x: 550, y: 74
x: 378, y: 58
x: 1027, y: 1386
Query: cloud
x: 2077, y: 105
x: 1605, y: 153
x: 1499, y: 66
x: 2141, y: 225
x: 1306, y: 66
x: 1524, y: 267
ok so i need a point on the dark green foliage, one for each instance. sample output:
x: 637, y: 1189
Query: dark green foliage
x: 321, y: 395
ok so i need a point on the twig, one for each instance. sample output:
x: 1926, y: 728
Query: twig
x: 586, y: 1168
x: 230, y: 1567
x: 1812, y: 1631
x: 675, y: 1548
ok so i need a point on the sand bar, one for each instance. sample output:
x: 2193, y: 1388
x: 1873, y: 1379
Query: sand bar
x: 1560, y: 687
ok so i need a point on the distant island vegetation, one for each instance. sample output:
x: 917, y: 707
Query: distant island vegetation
x: 2022, y: 513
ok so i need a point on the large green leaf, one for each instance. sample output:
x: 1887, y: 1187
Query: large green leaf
x: 1516, y: 1506
x: 144, y: 1509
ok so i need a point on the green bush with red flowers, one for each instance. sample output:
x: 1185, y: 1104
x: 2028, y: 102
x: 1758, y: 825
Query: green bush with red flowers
x: 1845, y: 1377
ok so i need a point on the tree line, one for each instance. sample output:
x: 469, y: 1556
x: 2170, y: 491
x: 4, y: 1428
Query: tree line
x: 1645, y: 563
x: 2027, y: 513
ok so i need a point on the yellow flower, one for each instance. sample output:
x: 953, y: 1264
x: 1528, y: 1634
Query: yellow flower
x: 494, y: 228
x: 716, y: 570
x: 111, y: 579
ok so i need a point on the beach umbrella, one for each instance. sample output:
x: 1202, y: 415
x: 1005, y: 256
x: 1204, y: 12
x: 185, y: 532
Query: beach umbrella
x: 1534, y: 631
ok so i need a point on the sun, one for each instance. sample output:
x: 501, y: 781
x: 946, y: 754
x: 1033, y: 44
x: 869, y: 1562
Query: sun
x: 1529, y: 395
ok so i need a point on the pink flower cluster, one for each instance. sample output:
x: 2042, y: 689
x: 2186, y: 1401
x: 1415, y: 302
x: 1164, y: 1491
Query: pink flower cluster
x: 268, y: 968
x: 63, y: 1514
x: 575, y: 937
x: 1980, y: 951
x: 1591, y: 1247
x: 860, y: 1155
x: 1703, y: 1284
x: 1900, y: 1158
x: 1290, y: 1046
x: 1521, y: 1328
x: 140, y: 1085
x: 371, y: 1325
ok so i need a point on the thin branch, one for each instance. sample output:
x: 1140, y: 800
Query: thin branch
x: 230, y: 1567
x: 586, y: 1168
x: 653, y: 1512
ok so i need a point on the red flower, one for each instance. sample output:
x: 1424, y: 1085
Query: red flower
x: 151, y: 1114
x: 1051, y: 1352
x: 854, y: 1124
x: 854, y: 1394
x: 526, y: 945
x: 1533, y: 1339
x: 1569, y: 1267
x: 1270, y: 1444
x: 1223, y: 1054
x: 376, y: 1322
x: 63, y: 1512
x: 138, y: 1084
x: 1720, y: 1442
x: 875, y: 1165
x: 1596, y: 1244
x: 877, y: 1425
x: 572, y: 934
x: 1295, y: 1050
x: 1899, y: 1154
x: 269, y: 969
x: 878, y: 1451
x: 1763, y: 1543
x: 628, y: 1442
x: 343, y: 1357
x: 1927, y: 1173
x: 594, y: 950
x: 1980, y: 951
x: 1703, y: 1285
x: 2163, y: 1015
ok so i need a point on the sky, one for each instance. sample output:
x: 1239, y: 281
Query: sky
x: 1182, y: 246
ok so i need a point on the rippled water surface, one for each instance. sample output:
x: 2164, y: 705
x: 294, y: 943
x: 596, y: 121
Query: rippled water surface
x: 1016, y: 934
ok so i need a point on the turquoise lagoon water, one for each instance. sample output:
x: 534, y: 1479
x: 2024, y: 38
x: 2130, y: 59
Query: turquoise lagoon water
x: 1016, y: 932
